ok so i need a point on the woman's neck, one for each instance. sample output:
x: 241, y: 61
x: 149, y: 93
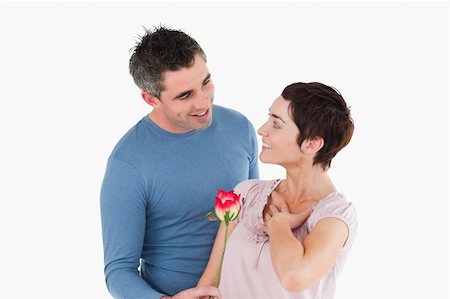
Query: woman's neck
x: 301, y: 187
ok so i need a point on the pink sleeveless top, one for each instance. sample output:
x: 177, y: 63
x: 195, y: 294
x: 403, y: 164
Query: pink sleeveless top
x: 247, y: 269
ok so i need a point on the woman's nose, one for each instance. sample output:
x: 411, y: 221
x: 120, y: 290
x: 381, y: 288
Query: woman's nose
x: 261, y: 131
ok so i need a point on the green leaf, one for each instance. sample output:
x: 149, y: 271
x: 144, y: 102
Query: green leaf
x: 212, y: 216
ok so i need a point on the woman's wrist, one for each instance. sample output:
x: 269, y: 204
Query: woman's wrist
x: 277, y: 222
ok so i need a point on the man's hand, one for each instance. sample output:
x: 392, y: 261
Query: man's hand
x: 196, y: 293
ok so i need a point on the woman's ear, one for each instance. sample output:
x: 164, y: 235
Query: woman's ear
x: 149, y: 99
x: 313, y: 144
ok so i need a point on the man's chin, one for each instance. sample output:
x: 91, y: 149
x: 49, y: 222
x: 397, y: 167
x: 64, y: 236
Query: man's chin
x: 203, y: 126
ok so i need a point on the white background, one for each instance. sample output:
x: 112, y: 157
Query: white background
x: 67, y: 98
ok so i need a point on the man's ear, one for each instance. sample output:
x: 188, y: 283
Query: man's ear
x: 149, y: 99
x: 313, y: 145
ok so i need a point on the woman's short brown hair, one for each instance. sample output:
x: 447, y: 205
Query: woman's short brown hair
x: 320, y: 110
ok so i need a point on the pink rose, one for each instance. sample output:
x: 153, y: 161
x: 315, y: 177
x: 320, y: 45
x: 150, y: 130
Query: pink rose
x: 227, y: 205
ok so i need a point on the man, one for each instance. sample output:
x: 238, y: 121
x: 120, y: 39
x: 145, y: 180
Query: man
x: 163, y: 175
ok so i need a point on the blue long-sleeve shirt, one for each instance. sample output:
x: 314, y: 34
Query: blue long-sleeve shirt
x: 157, y: 189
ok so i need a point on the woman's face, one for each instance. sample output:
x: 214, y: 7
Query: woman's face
x: 279, y: 136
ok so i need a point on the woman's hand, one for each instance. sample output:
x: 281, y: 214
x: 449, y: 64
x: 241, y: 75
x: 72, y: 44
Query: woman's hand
x: 278, y: 210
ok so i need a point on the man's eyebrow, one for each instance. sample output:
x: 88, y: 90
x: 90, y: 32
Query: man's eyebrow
x: 276, y: 116
x: 183, y: 93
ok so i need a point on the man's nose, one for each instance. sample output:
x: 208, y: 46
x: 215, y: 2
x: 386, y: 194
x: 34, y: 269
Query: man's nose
x: 202, y: 100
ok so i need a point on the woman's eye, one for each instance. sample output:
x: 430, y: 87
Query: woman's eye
x: 275, y: 125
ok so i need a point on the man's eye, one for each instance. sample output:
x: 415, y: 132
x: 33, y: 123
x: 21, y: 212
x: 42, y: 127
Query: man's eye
x: 276, y: 126
x: 185, y: 96
x: 207, y: 81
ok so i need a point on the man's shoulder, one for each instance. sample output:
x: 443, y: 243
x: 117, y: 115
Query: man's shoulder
x: 226, y: 112
x: 130, y: 140
x: 232, y: 121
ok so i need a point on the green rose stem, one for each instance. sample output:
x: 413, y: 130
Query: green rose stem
x: 216, y: 279
x: 226, y: 209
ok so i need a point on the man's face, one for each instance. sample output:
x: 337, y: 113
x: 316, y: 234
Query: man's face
x: 186, y: 102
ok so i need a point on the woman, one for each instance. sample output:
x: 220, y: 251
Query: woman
x: 292, y: 235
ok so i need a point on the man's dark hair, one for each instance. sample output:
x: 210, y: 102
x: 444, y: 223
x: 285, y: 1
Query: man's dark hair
x: 159, y: 50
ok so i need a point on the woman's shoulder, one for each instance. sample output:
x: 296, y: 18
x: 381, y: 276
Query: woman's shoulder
x: 247, y: 186
x: 253, y: 194
x: 337, y: 206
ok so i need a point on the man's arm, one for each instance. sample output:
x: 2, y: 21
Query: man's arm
x: 195, y: 293
x: 253, y: 169
x: 123, y: 214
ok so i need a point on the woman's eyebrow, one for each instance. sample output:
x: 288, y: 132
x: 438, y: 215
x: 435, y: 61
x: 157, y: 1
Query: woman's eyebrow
x: 276, y: 116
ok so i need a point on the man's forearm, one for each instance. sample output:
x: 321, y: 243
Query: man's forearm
x: 128, y: 284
